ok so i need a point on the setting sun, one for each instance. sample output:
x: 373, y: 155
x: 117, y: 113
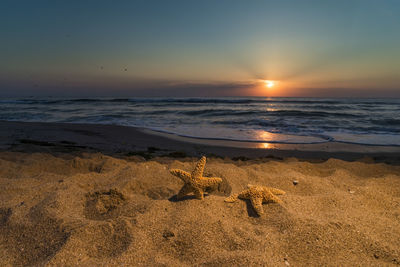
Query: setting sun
x: 269, y: 84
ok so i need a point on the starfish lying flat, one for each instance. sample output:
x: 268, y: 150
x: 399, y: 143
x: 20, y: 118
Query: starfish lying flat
x: 195, y: 182
x: 257, y: 195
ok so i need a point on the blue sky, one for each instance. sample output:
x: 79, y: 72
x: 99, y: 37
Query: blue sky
x: 190, y: 48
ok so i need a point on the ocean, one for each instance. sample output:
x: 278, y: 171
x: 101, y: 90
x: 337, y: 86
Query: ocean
x: 275, y: 120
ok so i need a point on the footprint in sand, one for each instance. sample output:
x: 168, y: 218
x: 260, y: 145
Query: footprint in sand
x: 106, y: 240
x: 103, y: 205
x: 113, y: 236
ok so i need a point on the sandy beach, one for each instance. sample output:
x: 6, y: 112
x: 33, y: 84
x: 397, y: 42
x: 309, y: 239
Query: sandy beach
x: 199, y: 133
x: 97, y: 195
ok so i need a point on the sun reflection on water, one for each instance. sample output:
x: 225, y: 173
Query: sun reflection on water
x: 265, y: 145
x: 264, y: 135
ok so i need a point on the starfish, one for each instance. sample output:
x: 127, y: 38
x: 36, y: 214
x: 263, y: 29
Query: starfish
x: 257, y: 195
x: 195, y: 182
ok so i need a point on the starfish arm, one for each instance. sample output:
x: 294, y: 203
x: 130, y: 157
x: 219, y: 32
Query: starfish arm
x: 232, y: 198
x: 186, y: 189
x: 199, y: 193
x: 276, y: 191
x: 198, y: 171
x: 184, y: 176
x: 269, y: 197
x: 245, y: 194
x: 206, y: 182
x: 257, y: 205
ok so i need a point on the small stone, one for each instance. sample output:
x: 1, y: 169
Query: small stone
x: 287, y: 263
x: 168, y: 234
x: 295, y: 182
x: 351, y: 192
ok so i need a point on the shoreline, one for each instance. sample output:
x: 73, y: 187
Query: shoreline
x: 114, y: 139
x: 327, y: 146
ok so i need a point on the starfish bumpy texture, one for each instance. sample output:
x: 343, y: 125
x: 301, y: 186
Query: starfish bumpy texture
x: 195, y: 182
x: 257, y: 195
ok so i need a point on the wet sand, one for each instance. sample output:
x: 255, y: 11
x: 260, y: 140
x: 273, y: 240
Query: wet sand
x: 120, y: 140
x: 93, y: 195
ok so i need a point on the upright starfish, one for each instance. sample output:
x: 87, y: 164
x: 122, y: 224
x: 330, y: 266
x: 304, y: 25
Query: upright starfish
x: 257, y: 195
x: 195, y: 182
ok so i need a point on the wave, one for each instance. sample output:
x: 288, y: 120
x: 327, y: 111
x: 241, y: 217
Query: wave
x: 387, y: 122
x: 274, y: 113
x: 321, y: 103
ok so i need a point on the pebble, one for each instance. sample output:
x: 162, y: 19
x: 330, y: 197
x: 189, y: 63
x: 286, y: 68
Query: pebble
x: 295, y: 182
x: 168, y: 234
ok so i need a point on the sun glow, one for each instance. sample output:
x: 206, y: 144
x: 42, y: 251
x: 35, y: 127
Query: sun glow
x: 269, y: 88
x: 269, y: 84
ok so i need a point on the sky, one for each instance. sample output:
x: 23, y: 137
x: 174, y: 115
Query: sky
x: 319, y: 48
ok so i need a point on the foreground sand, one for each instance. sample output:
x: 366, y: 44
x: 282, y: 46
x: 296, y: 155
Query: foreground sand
x: 94, y: 210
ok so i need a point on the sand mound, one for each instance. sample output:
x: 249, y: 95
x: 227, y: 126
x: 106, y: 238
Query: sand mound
x: 97, y: 210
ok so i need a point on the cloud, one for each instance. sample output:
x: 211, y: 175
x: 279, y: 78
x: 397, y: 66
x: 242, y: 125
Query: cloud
x: 118, y: 86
